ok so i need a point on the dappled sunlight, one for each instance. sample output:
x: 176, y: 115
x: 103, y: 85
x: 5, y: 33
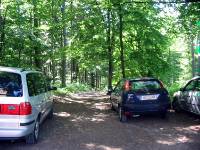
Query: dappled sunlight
x: 62, y: 114
x: 95, y: 118
x: 102, y: 147
x: 99, y: 117
x: 89, y: 95
x: 61, y: 99
x: 70, y: 101
x: 175, y: 140
x: 164, y: 142
x: 102, y: 106
x: 73, y: 101
x: 195, y: 129
x: 79, y: 118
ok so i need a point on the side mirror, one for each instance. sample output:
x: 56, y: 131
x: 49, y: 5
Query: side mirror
x: 52, y: 88
x: 109, y: 91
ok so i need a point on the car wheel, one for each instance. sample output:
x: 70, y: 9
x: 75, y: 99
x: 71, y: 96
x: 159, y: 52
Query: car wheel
x: 122, y: 116
x: 33, y: 137
x: 163, y: 115
x: 176, y: 106
x: 112, y: 106
x: 50, y: 115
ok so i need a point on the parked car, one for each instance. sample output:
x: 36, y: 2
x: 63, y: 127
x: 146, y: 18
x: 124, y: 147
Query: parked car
x: 139, y: 96
x: 25, y: 101
x: 188, y: 97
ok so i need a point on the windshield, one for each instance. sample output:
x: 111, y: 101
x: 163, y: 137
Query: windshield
x: 10, y: 85
x: 145, y: 85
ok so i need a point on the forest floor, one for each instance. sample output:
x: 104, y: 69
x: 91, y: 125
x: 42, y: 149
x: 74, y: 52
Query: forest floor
x: 85, y: 122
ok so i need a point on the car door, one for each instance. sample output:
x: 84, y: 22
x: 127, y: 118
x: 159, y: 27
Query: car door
x: 195, y: 98
x: 35, y: 93
x: 186, y: 95
x: 48, y: 94
x: 41, y: 89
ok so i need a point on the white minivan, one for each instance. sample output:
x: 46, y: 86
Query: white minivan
x: 25, y: 101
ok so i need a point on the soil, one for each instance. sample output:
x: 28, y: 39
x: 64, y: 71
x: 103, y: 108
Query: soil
x: 85, y: 121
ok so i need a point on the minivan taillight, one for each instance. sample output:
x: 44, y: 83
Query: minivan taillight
x: 25, y: 108
x: 9, y: 109
x: 127, y: 86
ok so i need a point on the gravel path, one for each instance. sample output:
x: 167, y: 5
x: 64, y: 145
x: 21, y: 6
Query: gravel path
x: 85, y: 122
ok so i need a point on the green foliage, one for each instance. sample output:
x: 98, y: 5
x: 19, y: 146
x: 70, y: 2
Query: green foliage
x: 33, y: 34
x: 173, y: 88
x: 73, y: 88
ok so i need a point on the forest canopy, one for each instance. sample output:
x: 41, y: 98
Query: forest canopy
x: 97, y: 42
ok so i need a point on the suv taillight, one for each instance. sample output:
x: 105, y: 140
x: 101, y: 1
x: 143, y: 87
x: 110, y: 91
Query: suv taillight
x: 25, y: 108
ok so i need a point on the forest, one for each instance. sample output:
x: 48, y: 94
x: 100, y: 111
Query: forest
x: 94, y: 43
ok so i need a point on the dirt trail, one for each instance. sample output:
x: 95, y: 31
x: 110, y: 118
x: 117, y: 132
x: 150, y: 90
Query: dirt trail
x: 84, y: 121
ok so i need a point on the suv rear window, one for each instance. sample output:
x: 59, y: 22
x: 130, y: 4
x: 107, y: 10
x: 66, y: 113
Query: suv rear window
x: 145, y: 85
x: 10, y: 85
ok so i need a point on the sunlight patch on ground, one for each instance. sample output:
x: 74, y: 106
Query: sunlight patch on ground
x: 62, y: 114
x: 101, y: 106
x: 89, y: 95
x: 74, y: 101
x: 102, y: 147
x: 174, y: 141
x: 95, y: 118
x: 191, y: 129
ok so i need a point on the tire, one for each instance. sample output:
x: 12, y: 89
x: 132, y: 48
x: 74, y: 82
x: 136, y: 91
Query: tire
x: 50, y: 115
x: 112, y: 107
x: 122, y: 116
x: 176, y: 106
x: 163, y: 115
x: 33, y: 137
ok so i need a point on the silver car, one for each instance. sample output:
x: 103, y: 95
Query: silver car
x: 188, y: 97
x: 25, y: 101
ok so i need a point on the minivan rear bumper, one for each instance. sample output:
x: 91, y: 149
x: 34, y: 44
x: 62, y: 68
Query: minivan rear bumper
x: 16, y: 133
x: 143, y: 109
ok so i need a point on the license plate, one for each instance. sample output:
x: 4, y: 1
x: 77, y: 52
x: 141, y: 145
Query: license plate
x: 149, y: 97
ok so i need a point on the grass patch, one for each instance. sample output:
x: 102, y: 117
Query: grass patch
x: 73, y: 88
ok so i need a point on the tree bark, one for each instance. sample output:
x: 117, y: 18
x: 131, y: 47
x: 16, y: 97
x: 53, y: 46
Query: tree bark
x: 37, y: 53
x: 2, y: 30
x: 198, y: 44
x: 64, y: 41
x: 110, y: 57
x: 193, y: 57
x: 121, y: 41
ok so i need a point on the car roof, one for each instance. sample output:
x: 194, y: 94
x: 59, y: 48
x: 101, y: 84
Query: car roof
x: 196, y: 77
x: 16, y: 70
x: 142, y: 78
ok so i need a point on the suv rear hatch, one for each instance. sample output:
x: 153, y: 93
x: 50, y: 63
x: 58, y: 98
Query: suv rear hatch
x: 11, y: 96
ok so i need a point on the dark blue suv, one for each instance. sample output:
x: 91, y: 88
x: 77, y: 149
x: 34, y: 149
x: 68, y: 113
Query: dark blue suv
x: 139, y: 96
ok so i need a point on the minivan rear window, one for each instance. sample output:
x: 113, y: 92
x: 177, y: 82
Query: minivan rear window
x: 145, y: 85
x: 10, y: 84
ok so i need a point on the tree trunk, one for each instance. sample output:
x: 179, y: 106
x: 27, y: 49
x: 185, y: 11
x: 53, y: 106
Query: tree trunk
x: 110, y: 57
x: 37, y: 53
x: 92, y: 76
x: 198, y: 44
x: 121, y: 41
x: 193, y: 57
x: 63, y: 57
x: 2, y: 30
